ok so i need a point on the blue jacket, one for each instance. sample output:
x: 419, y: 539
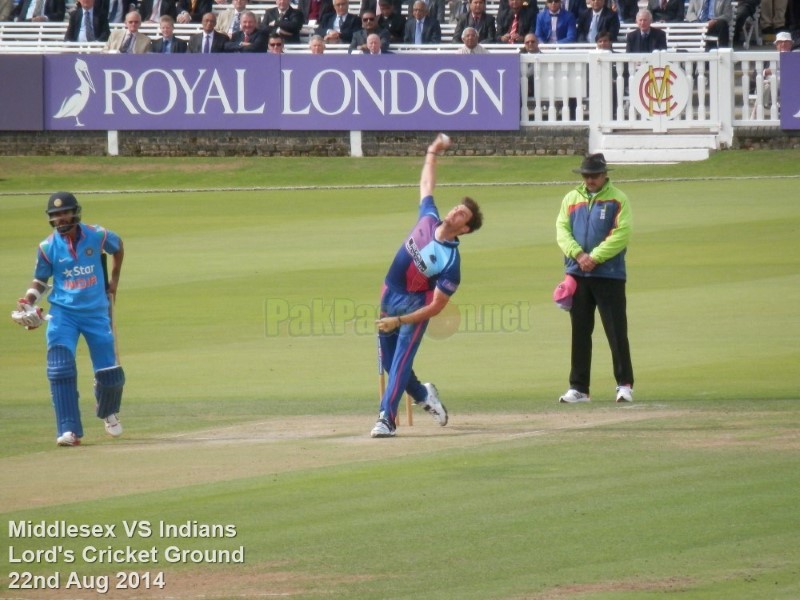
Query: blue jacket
x: 565, y: 28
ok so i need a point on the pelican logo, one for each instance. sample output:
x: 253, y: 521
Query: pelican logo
x: 73, y: 105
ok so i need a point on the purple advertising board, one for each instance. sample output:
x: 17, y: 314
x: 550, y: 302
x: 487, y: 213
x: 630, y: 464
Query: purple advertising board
x: 290, y: 92
x: 789, y: 90
x: 21, y: 92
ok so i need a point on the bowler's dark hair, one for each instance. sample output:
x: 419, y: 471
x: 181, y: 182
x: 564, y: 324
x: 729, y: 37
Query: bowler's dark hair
x: 477, y: 216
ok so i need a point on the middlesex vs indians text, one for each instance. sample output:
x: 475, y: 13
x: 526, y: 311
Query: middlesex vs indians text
x: 122, y: 547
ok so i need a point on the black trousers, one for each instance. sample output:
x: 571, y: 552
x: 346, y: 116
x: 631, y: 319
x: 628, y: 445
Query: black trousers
x: 608, y: 297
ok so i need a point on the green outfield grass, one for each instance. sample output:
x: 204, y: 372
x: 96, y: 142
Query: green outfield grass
x: 245, y: 329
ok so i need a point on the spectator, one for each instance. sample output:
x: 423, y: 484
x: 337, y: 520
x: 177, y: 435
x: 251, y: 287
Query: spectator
x: 645, y: 38
x: 314, y: 10
x: 249, y: 38
x: 436, y: 8
x: 316, y: 44
x: 717, y: 13
x: 575, y: 7
x: 168, y: 43
x: 208, y: 41
x: 626, y: 10
x: 514, y: 23
x: 556, y: 25
x: 531, y: 7
x: 599, y: 18
x: 745, y: 9
x: 275, y: 44
x: 153, y: 10
x: 392, y: 21
x: 479, y: 20
x: 593, y: 228
x: 87, y: 24
x: 372, y: 6
x: 666, y: 11
x: 773, y: 15
x: 530, y: 44
x: 375, y: 45
x: 369, y: 25
x: 339, y: 26
x: 603, y: 41
x: 129, y: 40
x: 458, y: 9
x: 229, y: 21
x: 284, y: 21
x: 422, y: 28
x: 41, y: 10
x: 471, y: 43
x: 783, y: 43
x: 192, y: 11
x: 115, y: 10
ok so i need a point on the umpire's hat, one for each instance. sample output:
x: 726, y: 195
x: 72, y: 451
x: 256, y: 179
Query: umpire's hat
x: 592, y: 165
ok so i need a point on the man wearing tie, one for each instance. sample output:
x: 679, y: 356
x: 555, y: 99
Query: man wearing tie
x: 600, y: 18
x: 229, y: 21
x: 339, y: 26
x: 514, y: 23
x: 555, y: 25
x: 41, y: 10
x: 129, y: 40
x: 87, y: 24
x: 249, y: 38
x: 168, y: 43
x: 209, y: 40
x: 284, y: 21
x: 645, y: 38
x: 717, y: 13
x: 422, y: 28
x: 479, y: 20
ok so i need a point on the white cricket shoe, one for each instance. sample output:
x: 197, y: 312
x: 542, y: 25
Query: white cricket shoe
x: 113, y: 426
x: 383, y: 429
x: 574, y: 396
x: 434, y: 406
x: 68, y: 439
x: 624, y: 393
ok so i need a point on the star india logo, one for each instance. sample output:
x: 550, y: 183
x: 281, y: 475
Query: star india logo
x: 73, y: 105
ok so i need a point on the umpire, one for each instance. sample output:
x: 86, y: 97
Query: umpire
x: 79, y: 305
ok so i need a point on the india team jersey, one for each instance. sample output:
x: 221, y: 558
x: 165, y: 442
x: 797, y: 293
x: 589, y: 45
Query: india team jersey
x: 77, y: 271
x: 422, y: 262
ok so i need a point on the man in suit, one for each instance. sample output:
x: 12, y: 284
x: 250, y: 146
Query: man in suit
x: 192, y: 11
x: 422, y: 28
x: 153, y: 10
x: 556, y: 25
x: 285, y: 21
x: 479, y: 20
x: 369, y: 25
x: 168, y: 43
x: 599, y: 18
x: 46, y: 10
x: 514, y: 23
x: 666, y: 11
x: 717, y: 13
x: 249, y: 38
x: 229, y: 21
x: 392, y: 20
x: 115, y: 10
x: 209, y: 41
x: 339, y: 26
x: 375, y: 45
x: 129, y: 40
x: 78, y: 30
x: 314, y: 10
x: 645, y: 38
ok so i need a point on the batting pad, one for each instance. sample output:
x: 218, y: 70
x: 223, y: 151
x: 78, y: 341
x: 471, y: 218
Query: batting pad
x: 63, y: 376
x: 108, y: 384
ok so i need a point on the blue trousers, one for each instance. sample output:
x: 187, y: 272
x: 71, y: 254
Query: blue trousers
x: 66, y: 325
x: 398, y: 350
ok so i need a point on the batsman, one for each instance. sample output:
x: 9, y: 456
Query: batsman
x: 425, y: 273
x: 81, y: 302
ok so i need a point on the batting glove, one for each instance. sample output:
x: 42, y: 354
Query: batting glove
x: 27, y: 314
